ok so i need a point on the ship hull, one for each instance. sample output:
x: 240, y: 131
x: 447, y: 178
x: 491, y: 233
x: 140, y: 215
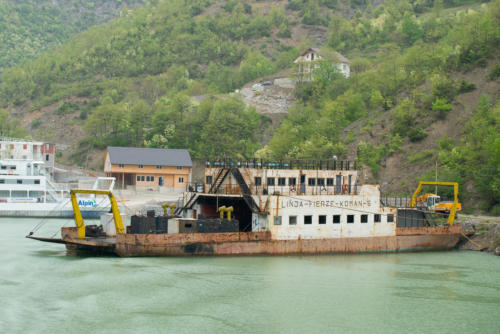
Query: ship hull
x: 261, y: 243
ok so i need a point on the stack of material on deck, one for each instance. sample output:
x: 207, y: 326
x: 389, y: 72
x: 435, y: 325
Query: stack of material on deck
x: 94, y: 231
x: 149, y: 225
x: 208, y: 226
x: 411, y: 218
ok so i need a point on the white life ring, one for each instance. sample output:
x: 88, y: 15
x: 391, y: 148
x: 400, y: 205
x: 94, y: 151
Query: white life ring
x: 11, y: 172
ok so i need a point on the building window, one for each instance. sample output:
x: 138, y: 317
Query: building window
x: 179, y: 167
x: 321, y: 182
x: 376, y: 218
x: 308, y: 220
x: 292, y: 181
x: 336, y: 219
x: 350, y: 219
x: 181, y: 179
x: 282, y: 181
x: 322, y: 219
x: 46, y: 157
x: 158, y: 167
x: 140, y: 166
x: 258, y: 181
x: 37, y: 181
x: 121, y: 166
x: 208, y: 179
x: 277, y: 220
x: 390, y: 218
x: 150, y: 178
x: 19, y: 181
x: 311, y: 182
x: 292, y: 220
x: 329, y: 181
x: 364, y: 218
x: 140, y: 178
x: 270, y: 181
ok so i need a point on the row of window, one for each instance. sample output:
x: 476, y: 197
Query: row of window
x: 2, y: 181
x: 292, y: 181
x: 148, y: 178
x: 335, y: 219
x: 142, y: 166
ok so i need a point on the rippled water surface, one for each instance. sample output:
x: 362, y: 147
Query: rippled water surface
x: 44, y: 290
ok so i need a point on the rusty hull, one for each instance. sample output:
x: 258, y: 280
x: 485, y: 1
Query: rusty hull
x: 260, y: 243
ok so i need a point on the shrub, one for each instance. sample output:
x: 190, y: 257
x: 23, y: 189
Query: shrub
x: 36, y: 123
x: 466, y: 87
x: 495, y: 72
x: 416, y: 134
x: 441, y: 108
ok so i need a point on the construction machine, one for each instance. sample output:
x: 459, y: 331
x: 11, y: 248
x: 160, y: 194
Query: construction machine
x: 432, y: 202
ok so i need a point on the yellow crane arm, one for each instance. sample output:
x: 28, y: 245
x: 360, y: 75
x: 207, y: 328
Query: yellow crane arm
x: 453, y: 211
x: 78, y: 214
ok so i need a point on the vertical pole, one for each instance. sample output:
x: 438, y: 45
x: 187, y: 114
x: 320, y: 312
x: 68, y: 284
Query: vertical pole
x: 436, y: 179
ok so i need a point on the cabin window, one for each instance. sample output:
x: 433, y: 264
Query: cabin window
x: 336, y: 219
x: 121, y: 165
x: 158, y: 167
x: 25, y: 146
x: 37, y: 181
x: 321, y: 182
x: 179, y: 167
x: 13, y: 167
x: 376, y: 218
x: 140, y: 166
x: 281, y: 181
x: 292, y: 181
x: 311, y: 181
x: 2, y: 181
x: 277, y: 220
x: 308, y: 220
x: 270, y: 181
x: 4, y: 167
x: 209, y: 179
x: 350, y: 219
x: 258, y: 181
x: 181, y: 180
x: 322, y: 219
x: 19, y: 181
x: 364, y: 218
x: 46, y: 157
x: 329, y: 181
x: 292, y: 220
x: 390, y: 218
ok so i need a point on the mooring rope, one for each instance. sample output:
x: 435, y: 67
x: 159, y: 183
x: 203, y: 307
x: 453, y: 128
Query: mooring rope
x: 479, y: 247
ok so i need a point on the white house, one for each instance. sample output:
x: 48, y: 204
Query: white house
x: 306, y: 63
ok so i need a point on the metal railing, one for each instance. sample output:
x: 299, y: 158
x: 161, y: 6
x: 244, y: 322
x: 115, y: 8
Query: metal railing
x: 283, y: 164
x: 276, y: 190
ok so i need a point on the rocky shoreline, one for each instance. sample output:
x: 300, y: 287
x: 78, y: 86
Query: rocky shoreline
x: 480, y: 236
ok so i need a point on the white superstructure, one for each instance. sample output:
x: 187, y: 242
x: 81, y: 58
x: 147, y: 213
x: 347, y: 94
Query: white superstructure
x: 27, y: 187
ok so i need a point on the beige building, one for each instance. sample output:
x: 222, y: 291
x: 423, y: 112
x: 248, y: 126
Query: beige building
x: 148, y: 168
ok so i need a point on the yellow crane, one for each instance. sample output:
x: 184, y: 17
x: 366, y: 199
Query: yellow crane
x: 433, y: 201
x: 78, y: 214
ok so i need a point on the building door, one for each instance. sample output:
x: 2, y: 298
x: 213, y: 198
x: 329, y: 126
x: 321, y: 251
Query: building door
x: 302, y: 184
x: 160, y: 181
x: 338, y: 184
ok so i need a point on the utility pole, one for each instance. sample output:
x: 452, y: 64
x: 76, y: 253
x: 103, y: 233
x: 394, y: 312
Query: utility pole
x: 436, y: 179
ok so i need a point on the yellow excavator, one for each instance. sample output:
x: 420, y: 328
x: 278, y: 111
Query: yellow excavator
x: 432, y: 202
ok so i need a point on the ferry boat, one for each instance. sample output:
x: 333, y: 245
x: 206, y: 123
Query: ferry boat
x: 294, y: 207
x: 27, y: 188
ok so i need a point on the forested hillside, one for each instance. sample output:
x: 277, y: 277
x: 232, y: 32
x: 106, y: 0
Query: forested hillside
x: 423, y: 90
x: 28, y: 27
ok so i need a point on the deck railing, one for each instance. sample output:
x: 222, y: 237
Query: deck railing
x: 277, y: 190
x: 283, y: 164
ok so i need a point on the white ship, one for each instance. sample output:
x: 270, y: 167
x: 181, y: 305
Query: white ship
x: 27, y: 188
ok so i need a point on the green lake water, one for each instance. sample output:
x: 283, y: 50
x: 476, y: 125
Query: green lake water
x: 45, y: 290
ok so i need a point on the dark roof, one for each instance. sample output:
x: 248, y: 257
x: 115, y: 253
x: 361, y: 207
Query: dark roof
x: 149, y: 156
